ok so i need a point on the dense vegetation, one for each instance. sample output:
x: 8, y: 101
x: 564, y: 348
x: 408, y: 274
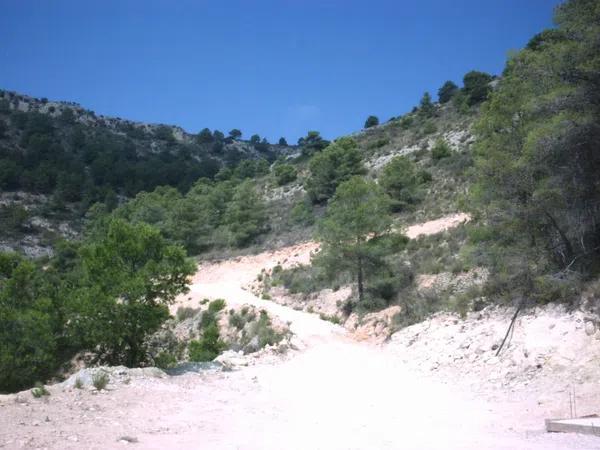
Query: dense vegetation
x: 89, y: 161
x: 104, y: 295
x: 537, y: 162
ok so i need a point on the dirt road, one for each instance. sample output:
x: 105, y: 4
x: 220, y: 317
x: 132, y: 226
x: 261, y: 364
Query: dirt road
x: 335, y: 393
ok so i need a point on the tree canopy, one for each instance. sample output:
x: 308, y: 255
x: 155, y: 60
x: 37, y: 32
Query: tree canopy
x: 334, y: 165
x: 356, y: 216
x: 537, y: 162
x: 372, y: 121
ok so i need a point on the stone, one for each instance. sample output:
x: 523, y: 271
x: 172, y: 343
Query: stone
x: 590, y: 328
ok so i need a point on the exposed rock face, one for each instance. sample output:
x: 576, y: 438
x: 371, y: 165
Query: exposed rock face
x: 457, y: 283
x: 374, y: 326
x: 546, y: 340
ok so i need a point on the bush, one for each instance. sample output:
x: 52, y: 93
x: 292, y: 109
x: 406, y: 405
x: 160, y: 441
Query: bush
x: 302, y: 213
x: 440, y: 150
x: 209, y: 346
x: 284, y: 174
x: 237, y: 320
x: 185, y: 312
x: 39, y: 390
x: 13, y: 217
x: 262, y: 329
x: 333, y: 318
x: 165, y: 360
x: 100, y: 380
x: 406, y: 122
x: 378, y: 144
x: 216, y: 305
x: 429, y: 128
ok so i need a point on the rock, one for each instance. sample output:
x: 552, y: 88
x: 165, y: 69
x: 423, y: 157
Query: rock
x: 73, y: 438
x: 590, y: 328
x: 230, y: 360
x: 253, y: 345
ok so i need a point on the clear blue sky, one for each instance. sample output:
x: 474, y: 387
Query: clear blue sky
x: 278, y: 67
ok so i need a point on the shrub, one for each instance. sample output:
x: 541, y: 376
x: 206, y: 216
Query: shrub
x: 263, y: 329
x: 331, y: 318
x: 237, y: 320
x: 216, y: 305
x: 39, y: 390
x: 165, y: 360
x: 284, y: 173
x: 302, y: 213
x: 208, y: 347
x: 406, y: 122
x: 378, y: 144
x: 429, y: 128
x: 185, y: 312
x: 440, y: 150
x: 78, y: 383
x: 100, y: 380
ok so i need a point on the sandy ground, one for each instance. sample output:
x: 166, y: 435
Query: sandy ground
x: 437, y: 225
x: 333, y: 393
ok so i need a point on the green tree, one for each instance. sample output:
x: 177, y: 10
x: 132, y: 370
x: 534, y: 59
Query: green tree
x: 235, y: 134
x: 372, y: 121
x: 282, y: 141
x: 205, y: 136
x: 536, y: 158
x: 164, y: 133
x: 245, y: 217
x: 331, y: 167
x: 29, y: 325
x: 129, y: 275
x: 401, y: 180
x: 440, y: 150
x: 357, y: 215
x: 447, y: 91
x: 312, y: 143
x: 476, y: 86
x: 426, y: 107
x: 10, y: 172
x: 284, y: 173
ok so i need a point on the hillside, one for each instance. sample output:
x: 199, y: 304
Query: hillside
x: 57, y: 159
x: 439, y: 271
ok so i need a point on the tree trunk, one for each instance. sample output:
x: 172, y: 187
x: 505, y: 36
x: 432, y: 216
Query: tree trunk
x: 565, y: 240
x: 360, y: 280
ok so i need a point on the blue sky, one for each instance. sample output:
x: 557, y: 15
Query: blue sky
x: 276, y: 68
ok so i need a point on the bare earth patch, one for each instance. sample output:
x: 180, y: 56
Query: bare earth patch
x: 436, y: 226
